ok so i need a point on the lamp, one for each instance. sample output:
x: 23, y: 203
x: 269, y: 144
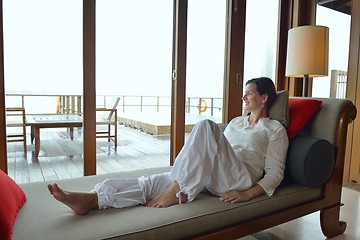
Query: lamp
x: 307, y: 53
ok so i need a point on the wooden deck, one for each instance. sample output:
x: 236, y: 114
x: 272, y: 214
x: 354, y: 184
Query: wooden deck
x: 61, y: 158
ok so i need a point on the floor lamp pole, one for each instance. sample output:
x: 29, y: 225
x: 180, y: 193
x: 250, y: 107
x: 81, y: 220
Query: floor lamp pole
x: 305, y: 85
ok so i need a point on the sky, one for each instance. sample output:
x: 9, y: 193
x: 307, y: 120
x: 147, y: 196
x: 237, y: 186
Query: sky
x: 43, y: 46
x: 133, y: 48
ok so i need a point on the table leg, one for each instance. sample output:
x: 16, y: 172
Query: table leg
x: 37, y: 140
x: 72, y: 133
x: 109, y: 130
x: 32, y: 133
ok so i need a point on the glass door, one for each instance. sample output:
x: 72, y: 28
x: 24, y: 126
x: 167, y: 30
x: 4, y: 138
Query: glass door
x: 133, y: 64
x: 334, y: 85
x: 205, y: 61
x: 43, y: 66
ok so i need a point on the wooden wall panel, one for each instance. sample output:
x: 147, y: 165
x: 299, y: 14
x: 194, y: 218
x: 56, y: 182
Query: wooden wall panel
x: 352, y: 160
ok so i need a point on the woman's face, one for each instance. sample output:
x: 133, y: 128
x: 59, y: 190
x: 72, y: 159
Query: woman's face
x: 252, y: 98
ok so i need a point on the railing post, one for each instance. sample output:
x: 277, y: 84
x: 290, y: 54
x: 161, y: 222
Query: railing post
x: 212, y: 107
x: 62, y: 104
x: 342, y: 83
x: 157, y: 104
x: 72, y: 104
x: 333, y: 83
x: 199, y: 106
x: 338, y: 84
x: 141, y: 102
x: 67, y: 104
x: 23, y: 101
x: 188, y: 105
x: 79, y: 108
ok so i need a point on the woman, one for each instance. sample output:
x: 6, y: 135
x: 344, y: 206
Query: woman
x: 241, y: 163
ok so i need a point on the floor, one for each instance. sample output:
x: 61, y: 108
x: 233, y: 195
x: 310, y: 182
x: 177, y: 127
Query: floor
x: 61, y: 158
x: 308, y: 227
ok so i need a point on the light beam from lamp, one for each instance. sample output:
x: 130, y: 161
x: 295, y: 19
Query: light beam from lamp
x: 307, y: 53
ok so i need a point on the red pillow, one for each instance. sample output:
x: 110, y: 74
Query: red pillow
x: 300, y: 112
x: 12, y: 198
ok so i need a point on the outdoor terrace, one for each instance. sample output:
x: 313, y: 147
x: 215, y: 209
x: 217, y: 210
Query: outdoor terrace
x: 143, y: 137
x: 61, y: 158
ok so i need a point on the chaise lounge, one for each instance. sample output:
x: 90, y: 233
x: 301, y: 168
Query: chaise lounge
x: 312, y: 182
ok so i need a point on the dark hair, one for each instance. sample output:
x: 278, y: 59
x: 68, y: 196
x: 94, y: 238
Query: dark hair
x: 265, y: 85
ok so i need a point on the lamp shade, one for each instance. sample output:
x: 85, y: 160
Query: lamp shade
x: 308, y: 51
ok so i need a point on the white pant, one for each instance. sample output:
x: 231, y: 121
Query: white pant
x: 207, y: 161
x: 127, y: 192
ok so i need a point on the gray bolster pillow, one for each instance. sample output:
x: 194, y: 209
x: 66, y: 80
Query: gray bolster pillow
x: 310, y: 161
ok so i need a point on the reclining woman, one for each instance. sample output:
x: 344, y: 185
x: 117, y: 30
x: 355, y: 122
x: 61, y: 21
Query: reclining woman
x: 241, y: 163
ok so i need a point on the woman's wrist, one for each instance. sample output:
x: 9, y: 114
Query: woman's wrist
x: 254, y: 191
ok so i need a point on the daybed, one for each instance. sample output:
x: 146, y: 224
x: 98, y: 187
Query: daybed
x: 313, y: 182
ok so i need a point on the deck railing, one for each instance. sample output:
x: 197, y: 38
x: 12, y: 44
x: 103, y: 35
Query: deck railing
x: 338, y: 84
x: 72, y: 104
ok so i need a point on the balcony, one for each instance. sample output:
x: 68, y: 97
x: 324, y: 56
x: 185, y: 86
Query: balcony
x: 143, y: 136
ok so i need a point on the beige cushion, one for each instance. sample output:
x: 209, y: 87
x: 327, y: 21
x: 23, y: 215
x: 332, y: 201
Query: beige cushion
x: 280, y: 109
x: 43, y: 218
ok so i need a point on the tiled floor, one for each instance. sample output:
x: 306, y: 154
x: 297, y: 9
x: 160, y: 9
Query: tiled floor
x: 308, y: 227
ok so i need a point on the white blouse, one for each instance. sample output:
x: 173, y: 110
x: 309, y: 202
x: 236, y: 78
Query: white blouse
x: 262, y: 148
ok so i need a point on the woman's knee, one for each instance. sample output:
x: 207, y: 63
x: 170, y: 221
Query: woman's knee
x: 207, y: 123
x: 212, y: 126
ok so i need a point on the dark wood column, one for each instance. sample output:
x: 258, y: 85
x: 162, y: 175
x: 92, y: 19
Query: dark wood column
x: 3, y: 148
x: 285, y: 22
x: 234, y: 66
x: 89, y: 88
x: 179, y: 78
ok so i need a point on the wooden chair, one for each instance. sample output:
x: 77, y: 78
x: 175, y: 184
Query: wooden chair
x: 15, y: 118
x: 109, y: 119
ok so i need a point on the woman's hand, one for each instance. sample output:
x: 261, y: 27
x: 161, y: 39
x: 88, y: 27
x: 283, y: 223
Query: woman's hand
x: 236, y: 196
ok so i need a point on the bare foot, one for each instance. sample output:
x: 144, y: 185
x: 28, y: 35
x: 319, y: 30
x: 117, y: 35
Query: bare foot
x: 80, y: 202
x: 168, y: 198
